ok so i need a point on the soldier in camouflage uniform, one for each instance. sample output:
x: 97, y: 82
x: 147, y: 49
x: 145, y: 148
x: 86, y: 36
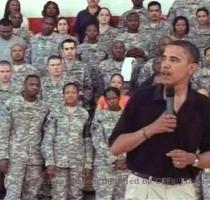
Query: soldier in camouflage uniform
x: 77, y: 71
x: 186, y: 8
x: 201, y: 81
x: 22, y: 120
x: 21, y: 69
x: 147, y: 70
x: 66, y: 150
x: 201, y: 78
x: 53, y: 83
x: 110, y: 172
x: 8, y: 39
x: 43, y: 45
x: 155, y: 26
x: 92, y: 53
x: 139, y: 9
x: 7, y: 86
x: 181, y: 30
x: 136, y: 42
x: 206, y: 184
x: 107, y: 32
x: 114, y: 65
x: 155, y: 74
x: 201, y: 31
x: 17, y: 20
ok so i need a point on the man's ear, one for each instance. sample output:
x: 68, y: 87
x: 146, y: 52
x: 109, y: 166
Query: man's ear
x: 193, y: 68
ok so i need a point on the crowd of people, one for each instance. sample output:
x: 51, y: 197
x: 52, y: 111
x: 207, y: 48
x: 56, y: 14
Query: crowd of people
x: 63, y: 91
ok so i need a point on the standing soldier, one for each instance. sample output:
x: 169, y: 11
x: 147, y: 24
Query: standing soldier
x: 6, y: 92
x: 22, y: 120
x: 77, y: 71
x: 43, y: 45
x: 92, y: 52
x: 114, y: 65
x: 201, y: 78
x: 17, y: 20
x: 156, y: 27
x: 7, y: 87
x: 148, y: 69
x: 139, y: 8
x: 53, y: 83
x: 107, y: 31
x: 65, y: 148
x: 21, y: 69
x: 110, y: 172
x: 136, y: 42
x: 186, y: 8
x: 7, y: 39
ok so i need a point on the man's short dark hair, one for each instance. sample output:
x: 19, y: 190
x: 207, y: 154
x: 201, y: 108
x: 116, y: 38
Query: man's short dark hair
x: 53, y: 57
x: 5, y: 22
x: 191, y: 49
x: 154, y: 3
x: 5, y: 62
x: 31, y: 76
x: 74, y: 84
x: 53, y: 19
x: 68, y: 41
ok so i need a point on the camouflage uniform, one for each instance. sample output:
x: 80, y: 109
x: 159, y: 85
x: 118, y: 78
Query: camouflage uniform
x: 109, y: 67
x: 107, y: 38
x: 16, y: 84
x: 65, y: 146
x: 206, y: 184
x: 21, y: 136
x: 142, y: 12
x: 146, y: 71
x: 201, y: 79
x: 188, y: 37
x: 23, y: 33
x: 20, y: 74
x: 5, y: 46
x: 155, y: 32
x: 79, y: 72
x: 201, y: 39
x: 52, y: 92
x: 7, y: 92
x: 92, y: 55
x: 109, y: 182
x: 68, y: 36
x: 186, y: 8
x: 40, y: 48
x: 139, y: 40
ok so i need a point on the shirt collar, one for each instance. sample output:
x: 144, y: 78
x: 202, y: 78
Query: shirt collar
x: 159, y: 93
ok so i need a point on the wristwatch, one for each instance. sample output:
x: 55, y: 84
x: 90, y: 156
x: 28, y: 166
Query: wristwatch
x: 196, y: 161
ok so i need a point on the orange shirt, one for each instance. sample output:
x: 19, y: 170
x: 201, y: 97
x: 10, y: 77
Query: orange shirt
x: 102, y: 102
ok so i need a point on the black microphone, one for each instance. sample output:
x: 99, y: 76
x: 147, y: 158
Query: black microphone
x: 169, y: 100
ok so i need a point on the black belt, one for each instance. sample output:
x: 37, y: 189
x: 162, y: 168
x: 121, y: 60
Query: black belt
x: 165, y: 180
